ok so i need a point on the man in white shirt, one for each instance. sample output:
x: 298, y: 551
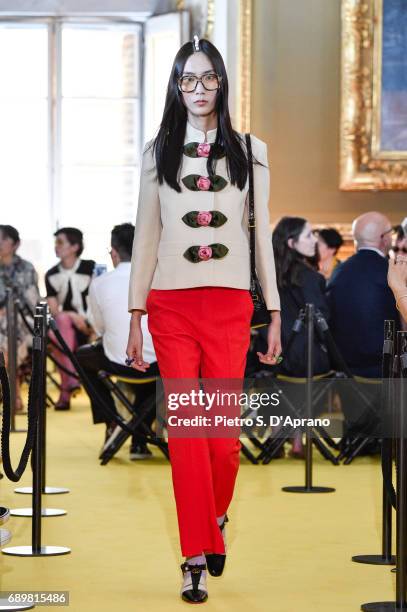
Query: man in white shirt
x: 108, y: 314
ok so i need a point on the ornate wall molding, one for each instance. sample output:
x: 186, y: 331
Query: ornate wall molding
x: 210, y: 19
x: 245, y: 52
x: 362, y: 166
x: 238, y: 45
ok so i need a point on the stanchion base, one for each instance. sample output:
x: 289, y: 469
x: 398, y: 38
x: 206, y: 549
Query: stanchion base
x: 27, y: 551
x: 5, y: 536
x: 374, y: 559
x: 308, y: 489
x: 4, y: 515
x: 382, y: 606
x: 46, y: 491
x: 44, y: 512
x: 6, y: 605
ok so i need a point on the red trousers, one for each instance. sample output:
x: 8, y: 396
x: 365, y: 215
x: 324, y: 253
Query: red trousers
x: 201, y: 331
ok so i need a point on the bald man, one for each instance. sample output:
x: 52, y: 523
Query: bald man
x: 360, y: 298
x: 372, y: 231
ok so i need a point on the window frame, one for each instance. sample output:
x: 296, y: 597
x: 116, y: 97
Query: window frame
x: 54, y: 25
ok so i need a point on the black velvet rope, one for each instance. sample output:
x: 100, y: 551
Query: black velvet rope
x: 54, y: 344
x: 33, y: 409
x: 86, y: 382
x: 80, y: 373
x: 388, y: 443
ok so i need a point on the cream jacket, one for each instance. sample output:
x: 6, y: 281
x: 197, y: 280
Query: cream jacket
x: 162, y: 257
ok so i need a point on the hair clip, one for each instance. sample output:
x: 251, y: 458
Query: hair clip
x: 196, y: 42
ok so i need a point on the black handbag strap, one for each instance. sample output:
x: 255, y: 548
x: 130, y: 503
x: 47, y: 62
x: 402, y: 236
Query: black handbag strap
x: 252, y: 219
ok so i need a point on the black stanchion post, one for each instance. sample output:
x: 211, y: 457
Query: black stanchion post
x: 309, y: 313
x: 309, y: 488
x: 42, y: 310
x: 37, y: 448
x: 386, y: 558
x: 11, y: 353
x: 11, y: 314
x: 401, y: 505
x: 37, y: 549
x: 43, y: 419
x: 45, y: 489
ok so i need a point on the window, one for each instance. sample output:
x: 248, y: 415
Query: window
x: 71, y: 130
x: 24, y: 184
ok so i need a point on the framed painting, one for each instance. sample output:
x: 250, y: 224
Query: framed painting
x: 373, y: 126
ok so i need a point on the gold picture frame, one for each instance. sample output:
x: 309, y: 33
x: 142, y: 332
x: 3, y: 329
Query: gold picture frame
x: 364, y: 163
x: 244, y: 58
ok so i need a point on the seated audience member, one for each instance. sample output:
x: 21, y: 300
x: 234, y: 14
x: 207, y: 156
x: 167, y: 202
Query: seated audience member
x: 19, y: 274
x: 400, y: 249
x: 109, y: 316
x: 298, y: 283
x: 360, y: 300
x: 400, y: 245
x: 67, y: 286
x: 329, y: 243
x: 397, y: 279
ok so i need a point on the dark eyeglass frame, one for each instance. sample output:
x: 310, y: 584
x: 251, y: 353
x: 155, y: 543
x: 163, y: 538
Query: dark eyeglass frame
x: 199, y: 80
x: 397, y: 249
x: 392, y: 230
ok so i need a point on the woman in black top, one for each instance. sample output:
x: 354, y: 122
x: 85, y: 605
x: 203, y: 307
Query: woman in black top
x: 299, y: 283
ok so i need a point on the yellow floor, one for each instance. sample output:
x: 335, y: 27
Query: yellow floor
x: 286, y: 552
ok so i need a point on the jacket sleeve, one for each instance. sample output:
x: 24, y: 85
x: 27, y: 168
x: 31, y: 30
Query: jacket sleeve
x: 314, y: 291
x: 146, y: 235
x: 265, y: 266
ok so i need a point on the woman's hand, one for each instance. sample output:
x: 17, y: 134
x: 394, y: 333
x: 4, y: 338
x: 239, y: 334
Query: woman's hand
x: 397, y: 275
x: 135, y: 344
x: 273, y: 340
x: 79, y: 321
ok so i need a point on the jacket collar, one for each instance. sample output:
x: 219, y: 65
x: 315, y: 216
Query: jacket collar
x: 192, y: 134
x: 372, y: 249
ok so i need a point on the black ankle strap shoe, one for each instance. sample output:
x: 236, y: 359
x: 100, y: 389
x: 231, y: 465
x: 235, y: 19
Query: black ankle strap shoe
x: 194, y: 588
x: 216, y: 562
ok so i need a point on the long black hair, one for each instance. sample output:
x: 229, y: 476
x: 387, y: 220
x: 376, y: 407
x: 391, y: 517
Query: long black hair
x: 169, y: 142
x: 289, y: 262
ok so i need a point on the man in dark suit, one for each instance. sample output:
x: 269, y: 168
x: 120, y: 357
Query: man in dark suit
x: 360, y: 300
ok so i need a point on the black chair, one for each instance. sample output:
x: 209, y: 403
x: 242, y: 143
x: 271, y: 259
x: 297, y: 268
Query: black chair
x: 138, y: 412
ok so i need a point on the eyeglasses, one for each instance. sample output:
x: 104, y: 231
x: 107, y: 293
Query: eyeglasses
x: 391, y: 230
x: 210, y: 82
